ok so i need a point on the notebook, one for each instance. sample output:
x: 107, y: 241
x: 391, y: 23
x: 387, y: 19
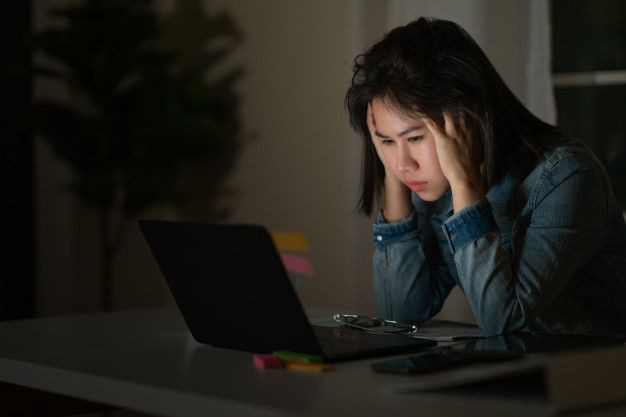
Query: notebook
x: 233, y: 292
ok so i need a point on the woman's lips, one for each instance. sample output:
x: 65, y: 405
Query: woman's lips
x: 416, y: 186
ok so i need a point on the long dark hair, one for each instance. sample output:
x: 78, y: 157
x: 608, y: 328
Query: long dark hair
x: 431, y: 66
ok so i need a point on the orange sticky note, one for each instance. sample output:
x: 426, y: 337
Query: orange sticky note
x: 308, y: 367
x: 297, y: 264
x: 291, y: 241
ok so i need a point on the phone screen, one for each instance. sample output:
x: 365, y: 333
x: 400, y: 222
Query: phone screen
x: 440, y: 360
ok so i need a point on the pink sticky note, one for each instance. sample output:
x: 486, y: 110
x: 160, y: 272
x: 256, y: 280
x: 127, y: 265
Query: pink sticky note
x: 297, y: 264
x: 265, y: 361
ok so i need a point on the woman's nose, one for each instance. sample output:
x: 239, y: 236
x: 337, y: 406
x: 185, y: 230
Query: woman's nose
x: 404, y: 161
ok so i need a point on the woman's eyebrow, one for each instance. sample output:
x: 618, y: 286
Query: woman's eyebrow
x: 404, y: 132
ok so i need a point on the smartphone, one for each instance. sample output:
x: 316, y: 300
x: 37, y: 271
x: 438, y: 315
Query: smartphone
x: 440, y: 360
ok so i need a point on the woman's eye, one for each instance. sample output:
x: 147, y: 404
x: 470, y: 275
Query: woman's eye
x: 386, y: 141
x: 416, y: 138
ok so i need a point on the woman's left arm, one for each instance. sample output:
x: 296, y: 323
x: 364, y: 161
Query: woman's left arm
x: 567, y: 227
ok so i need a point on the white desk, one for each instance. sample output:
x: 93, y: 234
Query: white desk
x: 147, y: 361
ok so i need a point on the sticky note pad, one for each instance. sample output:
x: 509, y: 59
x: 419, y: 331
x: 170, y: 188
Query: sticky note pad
x: 297, y: 264
x: 291, y: 241
x: 308, y: 367
x: 287, y: 355
x: 265, y: 361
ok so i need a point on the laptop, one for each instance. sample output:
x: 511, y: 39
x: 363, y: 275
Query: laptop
x: 233, y: 292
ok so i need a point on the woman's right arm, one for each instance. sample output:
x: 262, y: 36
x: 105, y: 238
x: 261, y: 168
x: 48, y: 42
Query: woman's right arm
x: 397, y: 199
x: 407, y: 286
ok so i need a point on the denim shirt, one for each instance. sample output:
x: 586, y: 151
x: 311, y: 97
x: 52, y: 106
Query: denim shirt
x: 546, y: 253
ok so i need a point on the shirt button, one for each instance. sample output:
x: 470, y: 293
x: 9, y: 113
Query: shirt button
x: 379, y: 238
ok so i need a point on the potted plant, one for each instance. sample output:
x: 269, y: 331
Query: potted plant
x: 141, y: 113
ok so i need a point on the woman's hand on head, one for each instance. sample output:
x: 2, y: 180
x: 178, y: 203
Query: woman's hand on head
x: 372, y: 129
x: 389, y: 176
x: 460, y: 156
x: 397, y: 196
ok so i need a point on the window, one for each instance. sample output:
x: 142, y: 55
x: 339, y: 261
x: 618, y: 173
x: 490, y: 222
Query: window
x: 589, y: 76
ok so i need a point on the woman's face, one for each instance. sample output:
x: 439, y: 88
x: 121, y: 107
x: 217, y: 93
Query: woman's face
x: 408, y: 151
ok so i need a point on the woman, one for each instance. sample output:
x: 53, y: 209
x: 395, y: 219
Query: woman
x: 478, y: 192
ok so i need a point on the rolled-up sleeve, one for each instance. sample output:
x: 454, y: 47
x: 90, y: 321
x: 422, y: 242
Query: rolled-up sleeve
x: 469, y: 224
x: 387, y: 233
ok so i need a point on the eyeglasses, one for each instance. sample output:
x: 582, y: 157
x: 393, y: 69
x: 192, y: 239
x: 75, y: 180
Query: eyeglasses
x: 374, y: 325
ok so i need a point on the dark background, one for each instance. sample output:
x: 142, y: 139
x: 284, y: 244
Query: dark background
x: 17, y: 254
x: 586, y: 37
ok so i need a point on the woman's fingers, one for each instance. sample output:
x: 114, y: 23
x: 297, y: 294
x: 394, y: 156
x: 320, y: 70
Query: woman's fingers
x: 433, y: 128
x: 370, y: 122
x: 370, y: 119
x: 372, y: 130
x: 450, y: 131
x: 449, y: 125
x: 463, y: 122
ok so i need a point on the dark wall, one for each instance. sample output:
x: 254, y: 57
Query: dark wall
x: 17, y: 258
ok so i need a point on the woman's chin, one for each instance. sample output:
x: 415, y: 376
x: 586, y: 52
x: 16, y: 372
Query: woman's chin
x: 431, y: 195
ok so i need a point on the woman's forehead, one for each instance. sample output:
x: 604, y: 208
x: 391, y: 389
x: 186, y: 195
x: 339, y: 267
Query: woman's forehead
x: 391, y: 108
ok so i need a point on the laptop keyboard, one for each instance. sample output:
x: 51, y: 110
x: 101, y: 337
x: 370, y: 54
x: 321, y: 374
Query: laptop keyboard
x: 340, y: 342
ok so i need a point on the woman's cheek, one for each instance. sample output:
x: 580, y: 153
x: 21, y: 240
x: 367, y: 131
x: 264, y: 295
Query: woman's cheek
x: 388, y: 155
x: 431, y: 158
x: 433, y: 161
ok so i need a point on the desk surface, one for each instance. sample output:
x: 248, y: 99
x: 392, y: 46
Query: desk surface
x: 148, y: 362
